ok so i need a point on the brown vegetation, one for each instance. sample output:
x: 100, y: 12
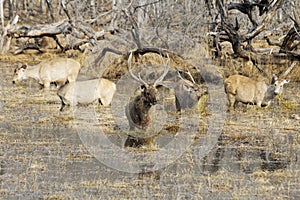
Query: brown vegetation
x: 42, y: 154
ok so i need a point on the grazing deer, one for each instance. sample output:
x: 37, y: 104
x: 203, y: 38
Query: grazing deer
x: 86, y: 92
x: 187, y: 93
x: 246, y: 90
x: 59, y: 71
x: 137, y: 110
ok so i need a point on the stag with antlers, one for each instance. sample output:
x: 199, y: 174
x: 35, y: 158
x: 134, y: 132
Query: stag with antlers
x: 137, y: 110
x: 187, y: 92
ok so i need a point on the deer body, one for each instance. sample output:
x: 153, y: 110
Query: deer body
x: 137, y: 110
x: 188, y: 93
x: 86, y: 92
x: 246, y: 90
x: 58, y: 70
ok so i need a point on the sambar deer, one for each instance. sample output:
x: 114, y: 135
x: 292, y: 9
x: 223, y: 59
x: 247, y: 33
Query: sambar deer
x: 246, y: 90
x: 188, y: 93
x: 86, y: 92
x: 59, y: 71
x: 137, y: 110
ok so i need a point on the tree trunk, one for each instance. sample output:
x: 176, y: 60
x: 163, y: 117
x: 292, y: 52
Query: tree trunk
x: 141, y: 19
x: 50, y: 7
x: 25, y: 5
x: 5, y: 38
x: 297, y: 13
x: 42, y: 6
x: 2, y: 13
x: 10, y: 9
x: 289, y: 40
x: 117, y: 12
x: 93, y: 9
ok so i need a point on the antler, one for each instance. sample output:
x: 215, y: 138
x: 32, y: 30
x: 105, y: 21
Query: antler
x: 192, y: 78
x: 289, y: 69
x: 138, y: 79
x: 185, y: 80
x: 166, y: 70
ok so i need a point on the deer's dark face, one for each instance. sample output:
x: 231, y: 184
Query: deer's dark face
x: 150, y: 93
x: 198, y: 91
x: 19, y: 74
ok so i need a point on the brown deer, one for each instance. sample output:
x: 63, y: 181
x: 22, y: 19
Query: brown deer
x: 137, y: 110
x: 246, y: 90
x: 187, y: 93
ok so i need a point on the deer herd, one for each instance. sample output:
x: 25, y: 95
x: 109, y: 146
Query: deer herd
x: 63, y: 73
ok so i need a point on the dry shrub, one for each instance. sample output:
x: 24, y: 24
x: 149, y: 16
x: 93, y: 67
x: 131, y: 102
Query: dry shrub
x: 118, y: 68
x: 231, y: 66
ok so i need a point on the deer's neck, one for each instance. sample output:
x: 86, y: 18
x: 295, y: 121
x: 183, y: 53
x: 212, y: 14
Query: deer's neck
x: 140, y: 114
x: 143, y: 105
x: 270, y: 94
x: 33, y: 72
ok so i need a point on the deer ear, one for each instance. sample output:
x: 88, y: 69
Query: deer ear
x: 274, y: 78
x: 158, y: 86
x: 168, y: 84
x: 24, y: 66
x: 186, y: 87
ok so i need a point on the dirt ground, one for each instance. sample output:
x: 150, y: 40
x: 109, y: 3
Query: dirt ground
x: 250, y: 153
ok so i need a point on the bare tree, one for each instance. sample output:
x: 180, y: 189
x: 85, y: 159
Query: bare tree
x: 152, y: 23
x: 5, y: 40
x: 50, y: 8
x: 2, y: 13
x: 260, y: 14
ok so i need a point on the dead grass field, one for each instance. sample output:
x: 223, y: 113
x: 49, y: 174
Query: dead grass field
x: 42, y: 155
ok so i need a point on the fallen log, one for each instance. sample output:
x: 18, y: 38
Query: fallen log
x: 80, y: 34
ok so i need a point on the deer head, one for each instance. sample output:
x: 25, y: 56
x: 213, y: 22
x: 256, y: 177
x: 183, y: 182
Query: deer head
x: 192, y: 85
x: 149, y: 91
x: 278, y: 84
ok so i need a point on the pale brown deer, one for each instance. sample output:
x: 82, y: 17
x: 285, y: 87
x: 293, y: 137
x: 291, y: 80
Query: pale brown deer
x: 86, y: 92
x: 246, y: 90
x: 59, y: 71
x: 137, y: 110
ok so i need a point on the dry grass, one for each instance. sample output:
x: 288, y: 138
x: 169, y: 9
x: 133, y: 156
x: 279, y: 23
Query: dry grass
x: 42, y: 156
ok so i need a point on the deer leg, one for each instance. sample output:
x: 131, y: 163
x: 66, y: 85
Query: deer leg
x: 63, y: 105
x: 132, y: 142
x: 232, y: 101
x: 139, y: 142
x: 46, y: 85
x: 59, y: 84
x: 267, y: 104
x: 258, y: 104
